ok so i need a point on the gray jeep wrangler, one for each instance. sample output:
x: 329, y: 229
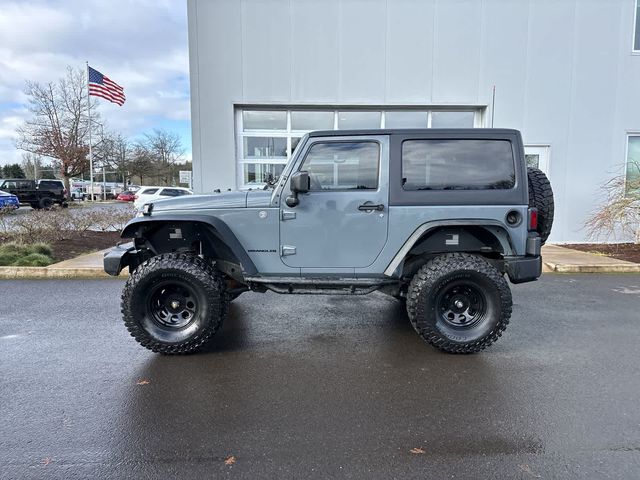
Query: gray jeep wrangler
x: 435, y: 218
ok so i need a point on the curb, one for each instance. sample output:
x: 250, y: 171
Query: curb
x: 613, y: 268
x: 31, y: 273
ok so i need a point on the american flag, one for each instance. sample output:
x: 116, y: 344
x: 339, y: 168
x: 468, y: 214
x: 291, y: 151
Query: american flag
x: 101, y: 86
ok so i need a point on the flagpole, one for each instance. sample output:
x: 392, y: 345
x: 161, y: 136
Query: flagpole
x: 90, y: 151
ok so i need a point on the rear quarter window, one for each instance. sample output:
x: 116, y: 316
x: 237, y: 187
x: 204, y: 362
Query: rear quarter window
x: 49, y: 184
x: 457, y: 164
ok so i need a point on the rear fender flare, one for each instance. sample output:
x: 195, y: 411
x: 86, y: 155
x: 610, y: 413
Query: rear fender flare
x: 494, y: 227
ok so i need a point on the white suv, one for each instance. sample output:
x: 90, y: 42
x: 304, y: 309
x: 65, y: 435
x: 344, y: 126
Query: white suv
x: 149, y: 194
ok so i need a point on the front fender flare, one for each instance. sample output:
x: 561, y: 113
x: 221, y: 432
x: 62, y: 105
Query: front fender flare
x: 215, y: 225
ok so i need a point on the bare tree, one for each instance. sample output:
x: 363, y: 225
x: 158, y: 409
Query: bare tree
x: 32, y: 165
x: 141, y: 164
x: 619, y: 213
x: 114, y: 152
x: 165, y: 149
x: 59, y: 126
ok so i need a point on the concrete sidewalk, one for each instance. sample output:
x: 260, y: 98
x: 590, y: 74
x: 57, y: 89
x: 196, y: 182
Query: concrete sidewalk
x: 554, y: 258
x: 565, y: 260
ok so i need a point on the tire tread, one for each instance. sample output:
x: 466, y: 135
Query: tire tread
x: 427, y: 277
x: 195, y: 266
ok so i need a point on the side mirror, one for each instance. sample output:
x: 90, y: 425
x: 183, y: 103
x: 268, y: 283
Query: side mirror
x: 298, y: 183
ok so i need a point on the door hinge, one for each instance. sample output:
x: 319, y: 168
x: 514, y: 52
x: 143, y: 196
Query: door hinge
x: 286, y: 215
x: 287, y: 250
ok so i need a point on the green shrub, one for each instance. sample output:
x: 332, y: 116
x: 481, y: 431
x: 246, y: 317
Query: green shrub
x: 7, y: 259
x: 12, y: 248
x: 20, y: 255
x: 41, y: 248
x: 33, y: 260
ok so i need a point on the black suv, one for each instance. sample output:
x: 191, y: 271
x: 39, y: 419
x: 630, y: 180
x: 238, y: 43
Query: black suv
x: 37, y: 193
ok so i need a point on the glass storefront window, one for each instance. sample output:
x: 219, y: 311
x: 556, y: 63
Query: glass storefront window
x: 406, y: 119
x: 308, y: 121
x: 265, y: 147
x: 632, y: 179
x: 452, y: 119
x: 257, y: 174
x: 264, y: 120
x: 266, y: 138
x: 357, y: 120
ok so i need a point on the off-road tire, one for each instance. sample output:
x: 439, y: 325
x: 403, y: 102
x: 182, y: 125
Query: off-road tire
x: 445, y: 272
x: 541, y: 198
x: 208, y: 288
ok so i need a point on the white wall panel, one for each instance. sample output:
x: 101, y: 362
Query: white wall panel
x: 504, y: 60
x: 266, y: 56
x: 456, y: 51
x: 314, y: 46
x: 409, y: 66
x: 361, y: 51
x: 218, y: 85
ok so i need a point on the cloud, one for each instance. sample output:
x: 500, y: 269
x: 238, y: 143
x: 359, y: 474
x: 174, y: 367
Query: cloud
x: 140, y: 44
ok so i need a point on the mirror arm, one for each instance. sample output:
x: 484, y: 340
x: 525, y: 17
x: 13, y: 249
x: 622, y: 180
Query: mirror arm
x: 292, y: 200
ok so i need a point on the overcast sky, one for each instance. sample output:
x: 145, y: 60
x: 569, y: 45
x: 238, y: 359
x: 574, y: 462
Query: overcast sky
x: 140, y: 44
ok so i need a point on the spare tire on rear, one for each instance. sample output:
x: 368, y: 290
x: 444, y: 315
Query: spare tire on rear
x: 541, y: 198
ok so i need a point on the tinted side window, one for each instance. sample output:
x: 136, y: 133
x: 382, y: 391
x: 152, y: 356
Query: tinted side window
x: 50, y: 185
x: 454, y: 164
x: 169, y: 192
x: 148, y: 191
x: 343, y: 165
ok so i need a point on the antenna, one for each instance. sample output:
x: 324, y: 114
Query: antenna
x: 493, y: 105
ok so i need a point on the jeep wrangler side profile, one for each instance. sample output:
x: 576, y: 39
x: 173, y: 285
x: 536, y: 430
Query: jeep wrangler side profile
x: 435, y: 218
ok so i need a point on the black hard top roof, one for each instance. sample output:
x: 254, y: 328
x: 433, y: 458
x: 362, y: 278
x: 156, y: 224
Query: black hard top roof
x: 414, y: 131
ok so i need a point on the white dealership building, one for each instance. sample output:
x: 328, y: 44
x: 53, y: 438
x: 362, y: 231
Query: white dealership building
x: 564, y: 72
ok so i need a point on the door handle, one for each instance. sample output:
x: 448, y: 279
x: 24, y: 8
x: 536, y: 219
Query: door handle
x: 365, y: 207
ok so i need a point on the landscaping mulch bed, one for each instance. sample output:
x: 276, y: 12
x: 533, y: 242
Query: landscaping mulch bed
x: 77, y: 245
x: 622, y: 251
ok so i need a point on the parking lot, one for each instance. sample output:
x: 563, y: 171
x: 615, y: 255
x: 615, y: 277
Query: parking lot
x: 321, y: 387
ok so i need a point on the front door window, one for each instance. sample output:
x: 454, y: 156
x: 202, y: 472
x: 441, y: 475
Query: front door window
x: 343, y: 165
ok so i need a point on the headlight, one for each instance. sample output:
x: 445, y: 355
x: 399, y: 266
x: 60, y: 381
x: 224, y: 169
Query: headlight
x: 147, y: 208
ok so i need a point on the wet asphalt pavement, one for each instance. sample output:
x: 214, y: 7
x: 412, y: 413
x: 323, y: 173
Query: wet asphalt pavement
x: 321, y: 387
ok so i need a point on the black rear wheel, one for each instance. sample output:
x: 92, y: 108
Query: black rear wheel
x: 459, y: 303
x: 45, y: 203
x: 174, y: 303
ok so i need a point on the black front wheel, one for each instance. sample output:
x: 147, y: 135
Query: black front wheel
x: 174, y: 303
x: 459, y: 303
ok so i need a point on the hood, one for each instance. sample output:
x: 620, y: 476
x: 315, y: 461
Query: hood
x: 234, y: 199
x: 194, y: 202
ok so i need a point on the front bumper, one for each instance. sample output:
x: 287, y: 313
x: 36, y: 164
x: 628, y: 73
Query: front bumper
x: 119, y: 257
x: 523, y: 269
